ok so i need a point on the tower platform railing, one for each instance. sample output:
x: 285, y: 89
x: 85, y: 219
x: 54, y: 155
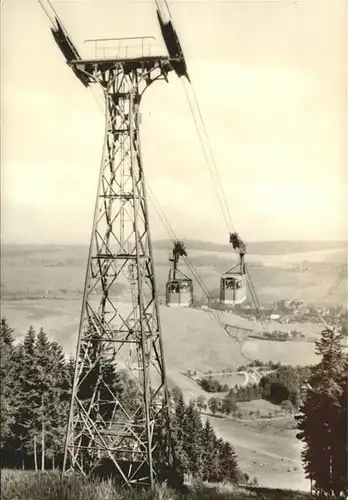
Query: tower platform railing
x: 123, y: 48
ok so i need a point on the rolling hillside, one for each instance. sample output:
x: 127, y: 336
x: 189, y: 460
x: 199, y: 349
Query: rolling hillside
x: 315, y: 276
x: 193, y: 340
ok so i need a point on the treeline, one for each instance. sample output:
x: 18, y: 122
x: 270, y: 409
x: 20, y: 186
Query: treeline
x: 36, y: 382
x: 35, y: 392
x: 198, y: 451
x: 282, y: 384
x: 210, y: 384
x: 261, y: 365
x: 285, y: 384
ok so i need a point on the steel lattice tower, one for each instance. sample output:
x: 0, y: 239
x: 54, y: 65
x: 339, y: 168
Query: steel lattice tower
x: 130, y: 436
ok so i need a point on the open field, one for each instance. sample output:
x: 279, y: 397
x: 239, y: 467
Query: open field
x: 274, y: 459
x: 263, y: 406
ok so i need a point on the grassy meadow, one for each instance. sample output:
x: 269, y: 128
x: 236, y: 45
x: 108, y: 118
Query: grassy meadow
x: 26, y: 485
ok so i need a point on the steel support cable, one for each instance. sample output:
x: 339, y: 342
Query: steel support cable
x: 174, y: 238
x: 214, y: 314
x: 211, y: 165
x: 48, y: 14
x: 221, y: 196
x: 218, y: 185
x: 216, y: 170
x: 219, y: 188
x: 207, y: 154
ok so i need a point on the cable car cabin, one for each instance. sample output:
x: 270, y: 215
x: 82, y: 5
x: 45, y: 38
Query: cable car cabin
x: 233, y: 288
x: 179, y: 292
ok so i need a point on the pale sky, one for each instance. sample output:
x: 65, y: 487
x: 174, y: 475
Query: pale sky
x: 271, y: 80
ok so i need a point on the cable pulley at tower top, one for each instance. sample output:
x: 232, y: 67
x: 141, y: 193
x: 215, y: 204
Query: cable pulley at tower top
x: 171, y: 39
x: 62, y: 38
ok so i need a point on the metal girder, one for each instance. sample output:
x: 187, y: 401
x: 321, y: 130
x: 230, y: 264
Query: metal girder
x: 130, y: 439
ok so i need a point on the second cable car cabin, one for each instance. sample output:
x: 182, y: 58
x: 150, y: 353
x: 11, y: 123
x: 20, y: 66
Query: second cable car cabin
x: 179, y: 288
x: 233, y: 284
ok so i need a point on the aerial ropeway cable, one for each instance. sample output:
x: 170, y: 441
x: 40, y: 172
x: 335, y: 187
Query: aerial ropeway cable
x: 215, y: 314
x: 175, y: 51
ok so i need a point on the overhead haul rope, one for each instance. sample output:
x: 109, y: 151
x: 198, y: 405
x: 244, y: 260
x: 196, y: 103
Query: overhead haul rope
x: 174, y: 238
x: 210, y: 160
x: 214, y: 314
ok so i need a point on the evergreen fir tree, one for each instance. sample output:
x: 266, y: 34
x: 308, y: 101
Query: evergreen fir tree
x: 7, y: 383
x: 228, y: 463
x: 26, y: 424
x: 214, y: 405
x: 192, y: 429
x: 339, y: 444
x: 99, y: 379
x: 321, y: 423
x: 178, y: 436
x: 210, y: 454
x: 57, y: 400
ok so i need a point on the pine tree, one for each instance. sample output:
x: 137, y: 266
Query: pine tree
x: 26, y: 424
x: 192, y: 429
x: 7, y: 383
x: 322, y: 422
x: 178, y: 436
x: 339, y: 445
x: 210, y: 454
x: 43, y: 393
x: 56, y: 400
x: 100, y: 379
x: 228, y: 463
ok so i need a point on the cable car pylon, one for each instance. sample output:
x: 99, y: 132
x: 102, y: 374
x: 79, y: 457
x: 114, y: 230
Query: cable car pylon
x: 106, y: 433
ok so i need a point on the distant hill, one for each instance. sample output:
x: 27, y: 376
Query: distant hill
x: 253, y: 248
x: 314, y: 272
x: 258, y: 247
